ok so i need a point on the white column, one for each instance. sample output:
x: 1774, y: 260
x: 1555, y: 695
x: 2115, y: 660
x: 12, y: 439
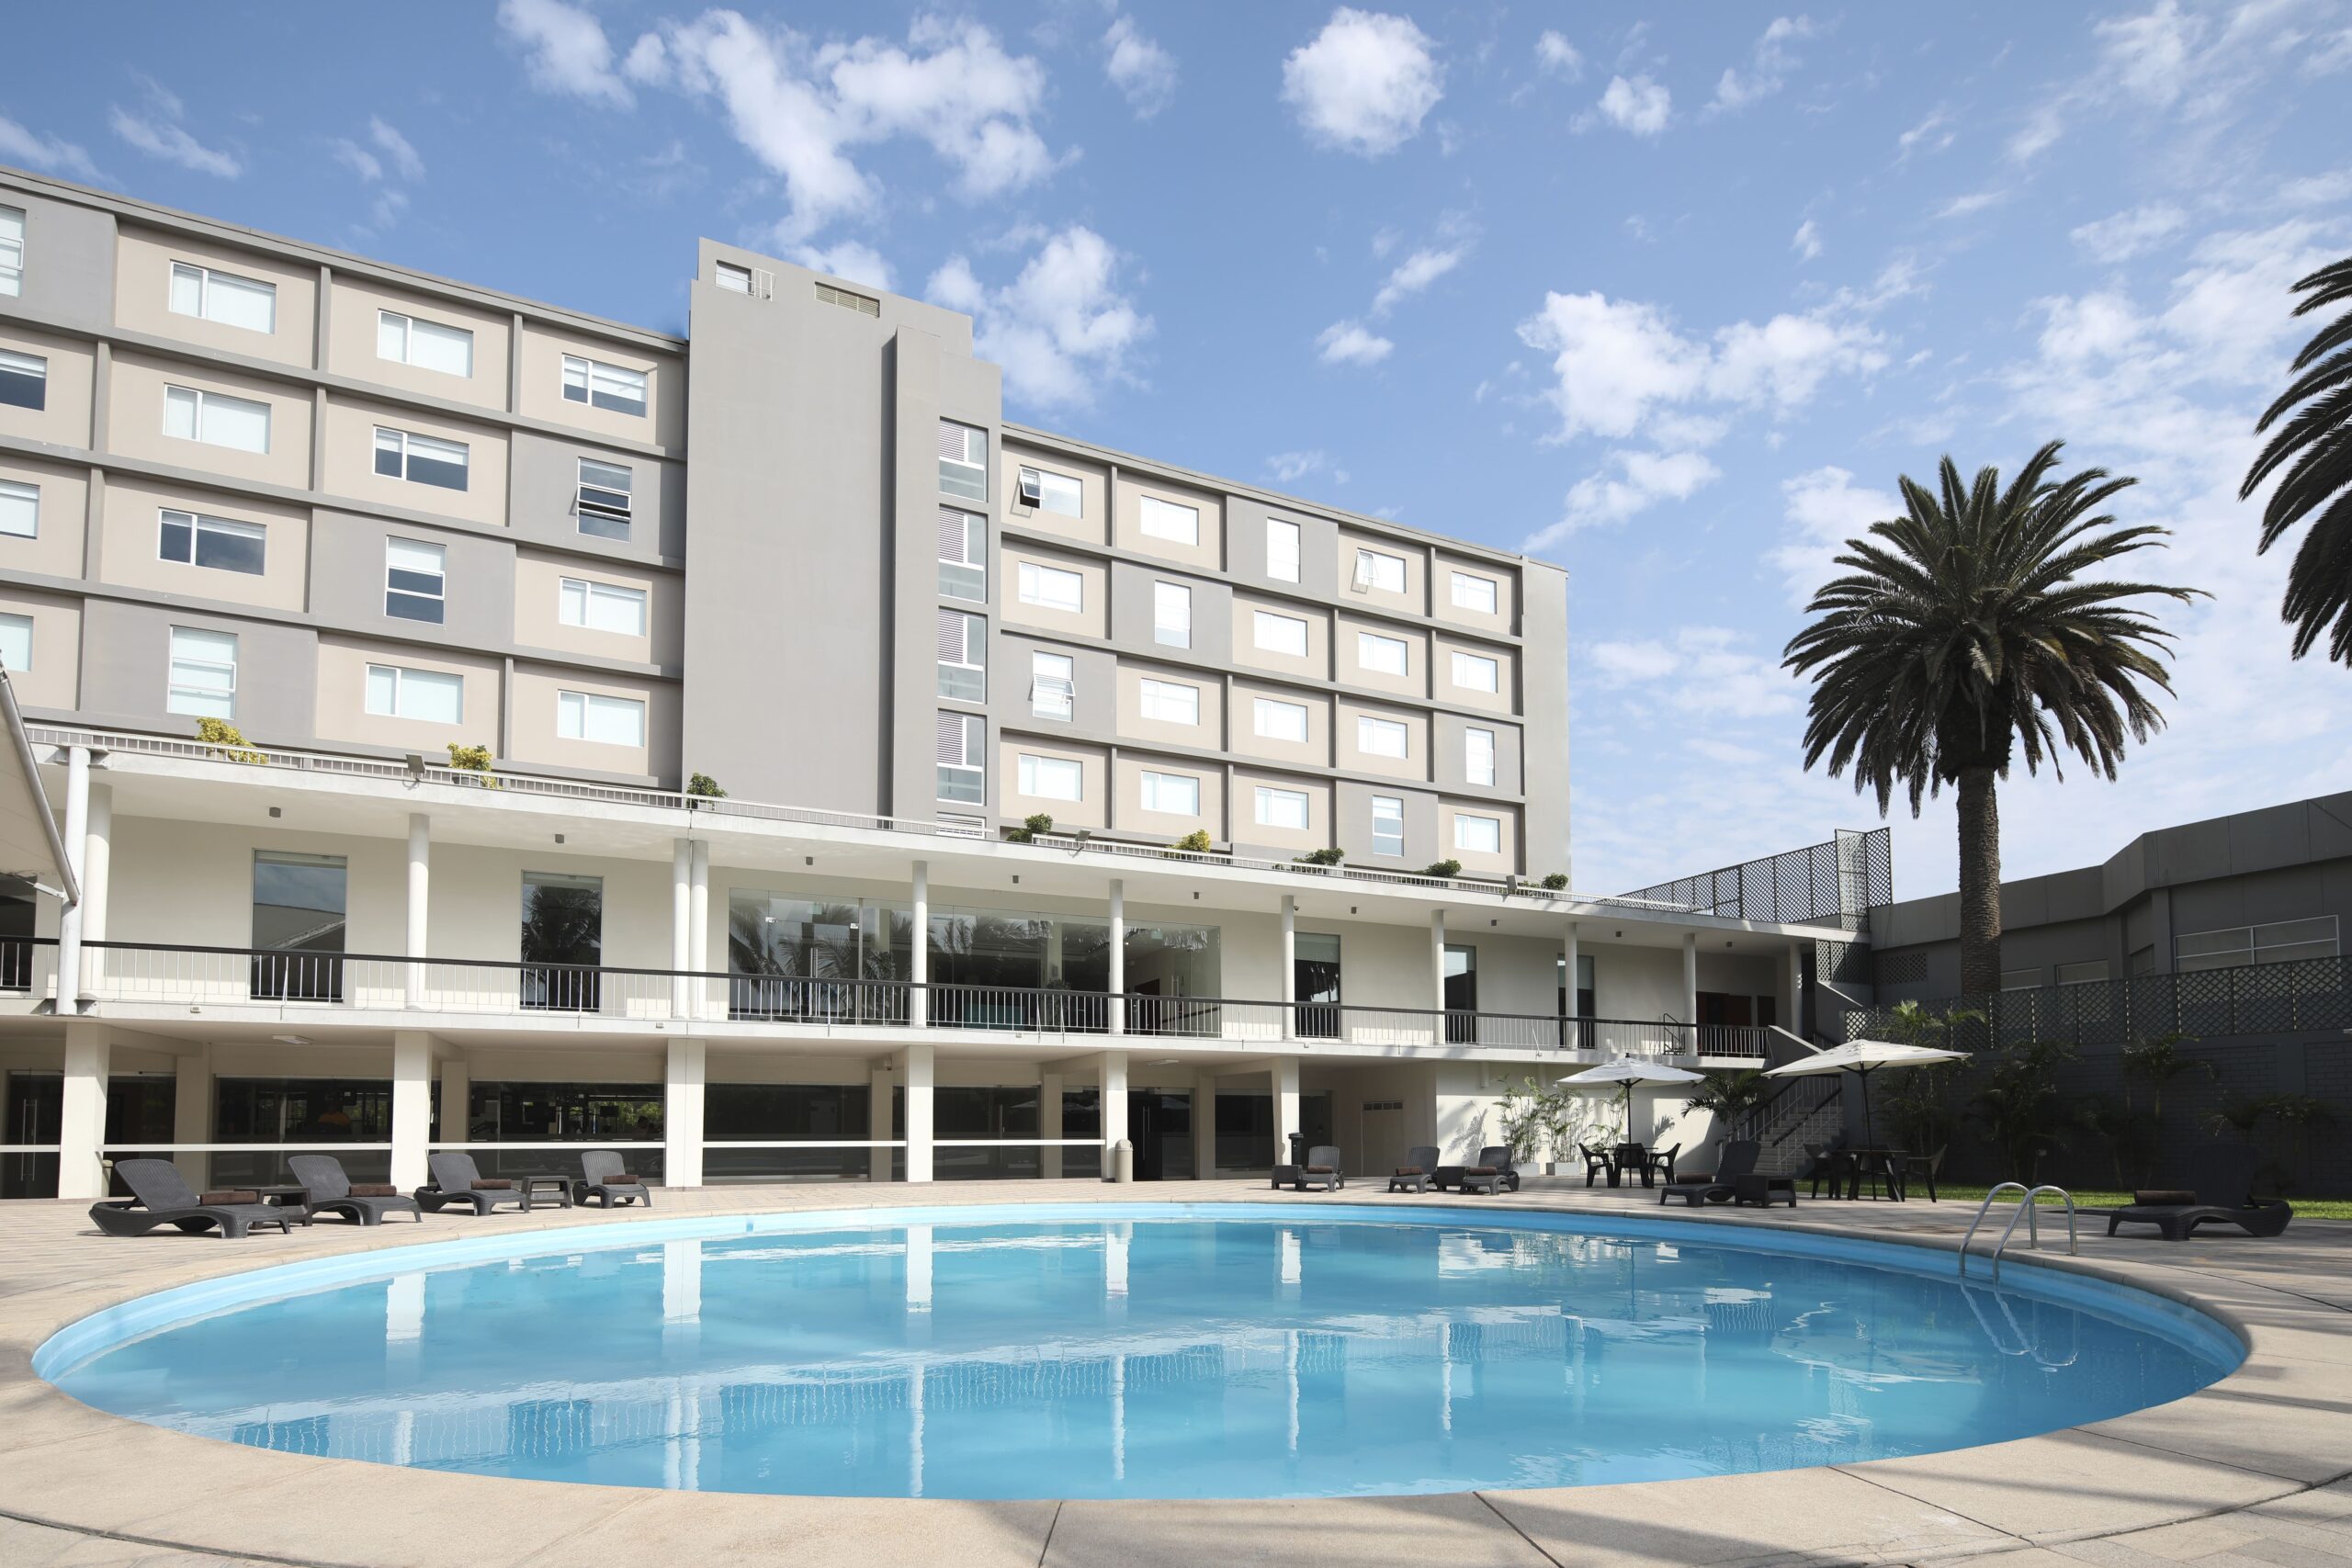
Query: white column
x: 1437, y: 969
x: 1794, y: 1022
x: 1690, y: 985
x: 1118, y: 956
x: 682, y: 923
x: 412, y: 1105
x: 420, y: 900
x: 918, y: 1076
x: 1115, y: 1109
x: 1290, y: 967
x: 1571, y: 1036
x: 682, y: 1080
x: 82, y: 1113
x: 698, y: 939
x: 1285, y: 1072
x: 877, y: 1120
x: 77, y: 855
x: 919, y: 1000
x: 98, y: 860
x: 192, y: 1113
x: 1049, y: 1123
x: 1205, y: 1126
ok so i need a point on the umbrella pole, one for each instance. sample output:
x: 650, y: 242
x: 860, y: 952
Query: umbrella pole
x: 1869, y: 1138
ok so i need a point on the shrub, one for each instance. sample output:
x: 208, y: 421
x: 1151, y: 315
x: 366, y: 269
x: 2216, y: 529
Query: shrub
x: 705, y: 786
x: 1196, y: 842
x: 228, y: 743
x: 1040, y: 822
x: 1556, y: 883
x: 1442, y: 868
x: 1322, y: 857
x: 473, y: 760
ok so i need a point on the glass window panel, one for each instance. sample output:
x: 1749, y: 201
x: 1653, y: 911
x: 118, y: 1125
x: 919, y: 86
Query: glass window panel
x: 1051, y: 778
x: 19, y: 508
x: 433, y: 346
x: 12, y: 249
x: 734, y: 279
x: 16, y: 642
x: 187, y: 289
x: 1472, y: 592
x: 244, y: 302
x: 235, y: 423
x: 1478, y: 755
x: 203, y: 681
x: 606, y: 720
x: 1167, y: 520
x: 1475, y: 673
x: 391, y: 337
x: 1171, y: 702
x: 1051, y: 588
x: 1171, y: 614
x: 1384, y: 655
x: 23, y: 384
x: 1280, y: 634
x: 300, y: 909
x: 1376, y: 569
x: 1482, y: 835
x: 1177, y: 794
x: 1281, y: 808
x: 1282, y: 550
x: 1387, y: 825
x: 1052, y: 689
x: 1380, y: 737
x: 1279, y: 720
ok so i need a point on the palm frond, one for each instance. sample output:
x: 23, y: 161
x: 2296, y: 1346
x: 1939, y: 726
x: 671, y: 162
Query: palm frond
x: 2311, y: 456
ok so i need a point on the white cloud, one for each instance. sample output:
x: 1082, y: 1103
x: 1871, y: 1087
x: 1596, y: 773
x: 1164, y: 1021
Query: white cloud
x: 1638, y: 104
x: 1138, y: 67
x: 1347, y: 343
x: 2096, y: 326
x: 1703, y: 670
x: 2151, y: 56
x: 1417, y: 272
x: 1364, y: 84
x: 1929, y: 135
x: 1768, y: 68
x: 2128, y: 234
x: 50, y: 154
x: 1639, y: 480
x: 382, y: 167
x: 1824, y: 508
x: 1289, y: 468
x: 1971, y: 203
x: 158, y: 133
x: 1558, y: 56
x: 1807, y: 240
x: 1062, y: 328
x: 849, y: 259
x: 395, y: 146
x: 565, y: 50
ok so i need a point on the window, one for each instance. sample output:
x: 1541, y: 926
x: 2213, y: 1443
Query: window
x: 204, y: 673
x: 1178, y: 794
x: 1378, y: 569
x: 1387, y: 825
x: 1380, y: 737
x: 1461, y: 987
x: 1053, y: 689
x: 1166, y: 520
x: 1478, y: 756
x: 1473, y: 592
x: 1282, y: 550
x: 1281, y: 808
x: 1278, y: 720
x: 614, y: 388
x: 963, y: 657
x: 604, y: 506
x: 224, y: 297
x: 2090, y: 971
x: 16, y: 643
x: 1052, y: 778
x: 734, y: 279
x: 428, y: 346
x: 432, y: 696
x: 416, y: 580
x: 1384, y: 655
x: 1171, y: 702
x: 12, y: 251
x: 593, y: 715
x: 963, y: 460
x: 1475, y: 673
x: 1171, y: 614
x: 2282, y: 941
x: 193, y: 538
x: 1051, y: 588
x: 1315, y: 982
x: 19, y: 508
x: 299, y: 924
x: 962, y: 736
x: 563, y: 927
x: 1480, y: 835
x: 1280, y: 634
x: 421, y: 460
x: 600, y: 606
x: 863, y: 305
x: 1051, y: 492
x: 2020, y: 979
x: 24, y: 382
x: 963, y: 558
x: 195, y: 415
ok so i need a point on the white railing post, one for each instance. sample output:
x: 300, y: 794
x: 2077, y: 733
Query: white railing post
x: 681, y: 922
x: 1290, y: 967
x: 420, y: 890
x: 1118, y: 956
x: 698, y: 935
x: 919, y: 960
x: 77, y: 854
x: 1690, y: 986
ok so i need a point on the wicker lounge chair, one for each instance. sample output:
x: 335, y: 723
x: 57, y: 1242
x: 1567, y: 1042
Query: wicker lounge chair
x: 161, y: 1196
x: 1496, y: 1158
x: 1321, y: 1170
x: 456, y: 1180
x: 607, y: 1180
x: 327, y: 1191
x: 2221, y: 1192
x: 1413, y: 1175
x: 1739, y: 1161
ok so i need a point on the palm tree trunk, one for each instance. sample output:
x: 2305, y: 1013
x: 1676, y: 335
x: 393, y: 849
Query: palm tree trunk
x: 1980, y: 883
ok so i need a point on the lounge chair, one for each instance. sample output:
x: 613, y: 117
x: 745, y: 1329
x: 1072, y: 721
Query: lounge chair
x: 2221, y: 1191
x: 327, y: 1191
x: 607, y: 1180
x: 456, y: 1180
x: 1321, y: 1170
x: 1497, y: 1158
x: 1739, y: 1161
x: 1413, y: 1175
x: 161, y: 1196
x: 1484, y: 1178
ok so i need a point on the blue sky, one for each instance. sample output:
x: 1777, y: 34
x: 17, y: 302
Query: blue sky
x: 1669, y: 299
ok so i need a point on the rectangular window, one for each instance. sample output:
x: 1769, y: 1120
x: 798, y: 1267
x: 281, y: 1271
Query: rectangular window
x: 962, y: 736
x: 1475, y: 673
x: 563, y: 928
x: 732, y: 278
x: 1167, y: 520
x: 1171, y: 614
x: 432, y: 696
x: 612, y: 388
x: 1481, y: 835
x: 1378, y: 569
x: 828, y: 295
x: 416, y: 580
x: 192, y: 415
x: 1281, y: 808
x: 24, y: 383
x: 1282, y: 550
x: 2281, y: 941
x: 16, y: 643
x: 1387, y: 825
x: 19, y: 508
x: 1278, y: 720
x: 603, y: 505
x: 1280, y: 634
x: 299, y: 912
x: 2090, y: 971
x: 963, y: 657
x: 593, y: 715
x: 1315, y: 982
x: 1051, y: 588
x: 1380, y: 737
x: 204, y: 673
x: 963, y: 559
x: 1384, y: 655
x: 1051, y: 492
x: 600, y: 606
x: 421, y: 460
x: 1053, y: 689
x: 1171, y: 702
x: 1478, y: 756
x: 1474, y: 592
x: 2020, y: 979
x: 1177, y: 794
x: 12, y: 251
x: 224, y: 297
x: 223, y: 543
x: 428, y: 346
x: 963, y: 460
x: 1052, y: 778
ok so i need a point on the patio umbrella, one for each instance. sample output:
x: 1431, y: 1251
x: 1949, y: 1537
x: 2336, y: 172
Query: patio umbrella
x: 1863, y: 1057
x: 1626, y: 1072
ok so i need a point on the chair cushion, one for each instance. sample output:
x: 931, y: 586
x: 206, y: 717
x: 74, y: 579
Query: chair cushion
x: 374, y: 1189
x: 1319, y: 1171
x: 485, y: 1184
x: 229, y: 1196
x: 619, y: 1179
x: 1410, y: 1170
x: 1478, y: 1170
x: 2163, y: 1196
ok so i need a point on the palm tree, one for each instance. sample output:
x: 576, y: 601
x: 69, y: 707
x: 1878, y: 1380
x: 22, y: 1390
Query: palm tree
x: 2319, y: 442
x: 1962, y: 636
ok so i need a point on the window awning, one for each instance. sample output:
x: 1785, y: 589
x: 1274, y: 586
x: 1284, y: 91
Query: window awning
x: 30, y: 845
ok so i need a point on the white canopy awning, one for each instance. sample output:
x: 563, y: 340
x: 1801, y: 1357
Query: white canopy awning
x: 30, y: 845
x: 1864, y: 1057
x: 1626, y: 1070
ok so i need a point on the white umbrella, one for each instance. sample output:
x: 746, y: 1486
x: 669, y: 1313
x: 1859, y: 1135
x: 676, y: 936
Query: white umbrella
x: 1863, y: 1057
x: 1628, y: 1072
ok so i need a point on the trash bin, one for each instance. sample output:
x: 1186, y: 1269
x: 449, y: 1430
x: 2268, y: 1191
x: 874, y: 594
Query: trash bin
x: 1123, y: 1161
x: 1298, y: 1148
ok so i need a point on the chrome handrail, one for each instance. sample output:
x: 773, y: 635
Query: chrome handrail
x: 2029, y: 1211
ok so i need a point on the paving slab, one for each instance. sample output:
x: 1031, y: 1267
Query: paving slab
x: 725, y: 1529
x: 1455, y: 1529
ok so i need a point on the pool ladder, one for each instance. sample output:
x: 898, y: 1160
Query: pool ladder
x: 2026, y: 1210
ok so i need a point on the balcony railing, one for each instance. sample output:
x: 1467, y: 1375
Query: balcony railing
x: 294, y: 982
x: 2207, y: 1004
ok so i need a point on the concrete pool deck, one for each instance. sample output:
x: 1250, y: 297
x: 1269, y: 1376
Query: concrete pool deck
x: 2257, y: 1469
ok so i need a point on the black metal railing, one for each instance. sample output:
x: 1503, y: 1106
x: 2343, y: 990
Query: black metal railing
x: 2208, y: 1004
x: 1832, y: 883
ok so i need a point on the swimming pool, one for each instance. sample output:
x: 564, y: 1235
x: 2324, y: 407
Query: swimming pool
x: 1134, y: 1350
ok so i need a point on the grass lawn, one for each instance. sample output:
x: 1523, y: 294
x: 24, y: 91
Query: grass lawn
x: 2087, y: 1197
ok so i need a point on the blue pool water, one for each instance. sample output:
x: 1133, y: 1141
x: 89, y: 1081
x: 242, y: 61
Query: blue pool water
x: 1144, y: 1350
